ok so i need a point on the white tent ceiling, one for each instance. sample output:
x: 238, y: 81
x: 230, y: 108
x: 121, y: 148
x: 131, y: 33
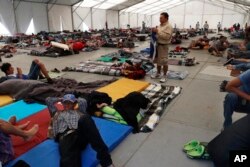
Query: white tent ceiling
x: 150, y: 7
x: 56, y: 2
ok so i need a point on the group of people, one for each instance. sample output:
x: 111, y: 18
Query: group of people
x: 73, y: 128
x: 205, y: 27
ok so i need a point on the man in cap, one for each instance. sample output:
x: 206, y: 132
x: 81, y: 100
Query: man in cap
x: 73, y: 129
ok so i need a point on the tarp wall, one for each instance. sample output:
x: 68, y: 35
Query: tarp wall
x: 188, y: 14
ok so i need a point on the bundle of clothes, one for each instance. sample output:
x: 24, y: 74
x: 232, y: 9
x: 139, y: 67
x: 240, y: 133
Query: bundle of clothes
x: 179, y: 51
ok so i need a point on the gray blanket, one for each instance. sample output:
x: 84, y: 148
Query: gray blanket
x: 36, y: 91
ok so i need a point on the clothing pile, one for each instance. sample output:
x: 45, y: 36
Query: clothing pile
x: 179, y: 51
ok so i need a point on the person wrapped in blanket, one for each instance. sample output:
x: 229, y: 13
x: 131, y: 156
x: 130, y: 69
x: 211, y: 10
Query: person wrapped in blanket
x: 219, y: 46
x: 73, y: 129
x: 133, y: 70
x: 126, y: 110
x: 201, y: 43
x: 37, y: 70
x: 10, y: 128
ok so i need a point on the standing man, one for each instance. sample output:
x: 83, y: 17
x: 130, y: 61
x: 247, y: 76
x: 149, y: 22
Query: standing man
x: 206, y: 27
x: 197, y: 26
x: 219, y: 27
x: 163, y: 34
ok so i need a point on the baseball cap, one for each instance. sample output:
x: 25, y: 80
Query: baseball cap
x: 69, y: 97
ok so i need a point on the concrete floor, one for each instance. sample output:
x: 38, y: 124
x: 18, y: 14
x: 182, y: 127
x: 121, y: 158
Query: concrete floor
x: 195, y: 114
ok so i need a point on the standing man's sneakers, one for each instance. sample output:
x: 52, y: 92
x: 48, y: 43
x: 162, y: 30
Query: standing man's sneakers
x: 163, y: 79
x: 155, y: 76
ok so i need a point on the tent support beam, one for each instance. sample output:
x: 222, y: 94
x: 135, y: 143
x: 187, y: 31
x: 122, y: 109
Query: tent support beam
x: 72, y: 19
x: 91, y: 18
x: 14, y: 11
x: 47, y: 12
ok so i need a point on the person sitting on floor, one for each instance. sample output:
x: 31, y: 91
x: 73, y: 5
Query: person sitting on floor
x: 9, y: 128
x: 218, y: 46
x: 36, y: 69
x: 238, y: 97
x: 74, y: 129
x: 238, y: 64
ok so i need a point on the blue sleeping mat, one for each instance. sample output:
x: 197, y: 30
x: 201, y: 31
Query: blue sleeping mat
x: 20, y: 109
x: 46, y: 154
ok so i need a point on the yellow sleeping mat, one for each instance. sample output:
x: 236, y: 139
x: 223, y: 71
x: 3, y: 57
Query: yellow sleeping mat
x: 5, y: 99
x: 123, y: 87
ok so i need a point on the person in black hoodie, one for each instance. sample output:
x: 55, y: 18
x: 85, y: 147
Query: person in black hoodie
x: 129, y: 107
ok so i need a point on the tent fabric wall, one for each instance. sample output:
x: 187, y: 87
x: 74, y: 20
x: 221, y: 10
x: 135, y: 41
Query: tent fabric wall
x: 140, y: 19
x: 25, y: 11
x: 57, y: 11
x: 148, y: 20
x: 123, y: 20
x: 7, y: 17
x: 81, y: 15
x: 185, y: 15
x: 155, y: 20
x: 112, y: 18
x: 133, y: 20
x: 99, y: 18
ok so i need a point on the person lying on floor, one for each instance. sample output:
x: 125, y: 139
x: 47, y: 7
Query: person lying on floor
x: 8, y: 49
x: 238, y: 98
x: 219, y: 46
x: 73, y: 130
x: 201, y: 43
x: 36, y: 69
x: 240, y: 51
x: 243, y: 49
x: 238, y: 64
x: 9, y: 128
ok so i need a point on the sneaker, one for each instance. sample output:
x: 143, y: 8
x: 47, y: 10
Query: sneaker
x: 163, y: 79
x: 155, y: 76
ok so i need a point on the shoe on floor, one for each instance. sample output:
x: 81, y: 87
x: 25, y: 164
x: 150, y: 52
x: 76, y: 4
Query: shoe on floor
x: 155, y: 76
x: 55, y: 70
x: 163, y: 79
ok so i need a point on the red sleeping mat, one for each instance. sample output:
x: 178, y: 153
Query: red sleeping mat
x: 41, y: 118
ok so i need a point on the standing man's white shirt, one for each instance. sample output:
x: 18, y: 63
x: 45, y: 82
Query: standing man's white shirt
x: 164, y: 34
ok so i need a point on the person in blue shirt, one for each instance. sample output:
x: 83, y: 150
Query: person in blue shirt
x: 238, y: 98
x: 36, y: 69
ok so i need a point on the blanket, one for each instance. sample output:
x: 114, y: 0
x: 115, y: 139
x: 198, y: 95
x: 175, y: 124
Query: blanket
x: 98, y: 68
x: 160, y: 96
x: 37, y: 91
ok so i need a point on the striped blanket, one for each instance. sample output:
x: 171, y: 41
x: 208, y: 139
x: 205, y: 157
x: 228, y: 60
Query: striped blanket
x: 160, y: 97
x: 98, y: 68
